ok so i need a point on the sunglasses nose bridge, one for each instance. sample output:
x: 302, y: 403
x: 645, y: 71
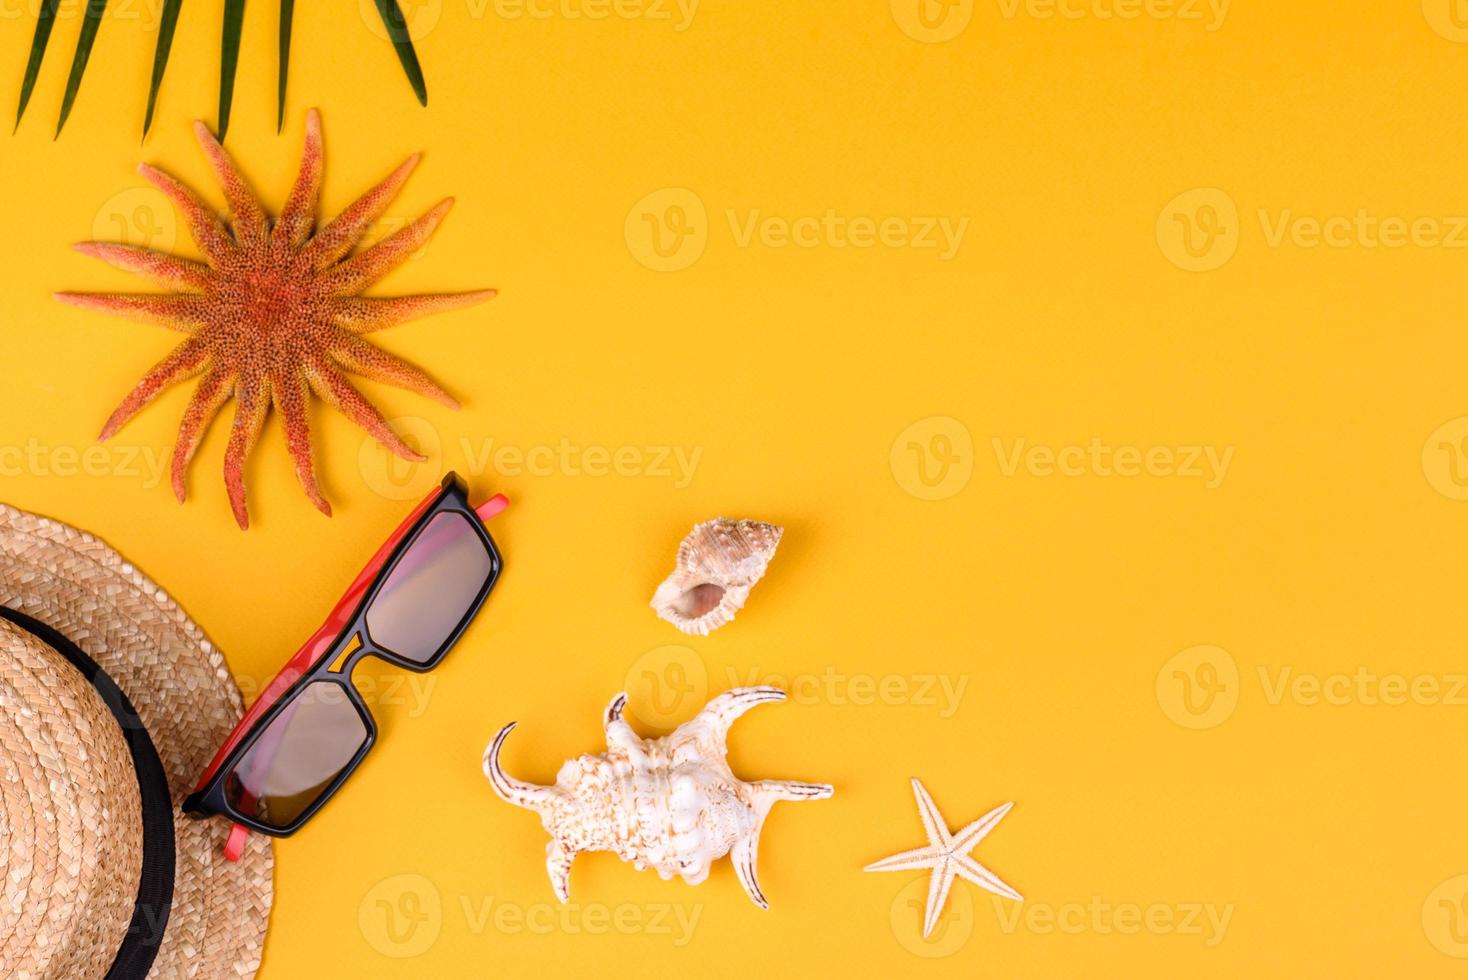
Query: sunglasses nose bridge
x: 346, y: 660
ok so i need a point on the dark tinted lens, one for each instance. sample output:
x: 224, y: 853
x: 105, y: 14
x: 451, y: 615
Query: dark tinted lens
x: 297, y: 756
x: 430, y: 589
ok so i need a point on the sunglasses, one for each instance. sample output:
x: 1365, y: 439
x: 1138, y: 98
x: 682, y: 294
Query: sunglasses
x: 310, y: 729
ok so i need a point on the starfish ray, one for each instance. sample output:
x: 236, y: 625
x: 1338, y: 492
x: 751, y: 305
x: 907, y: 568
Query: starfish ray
x: 947, y: 855
x: 274, y: 313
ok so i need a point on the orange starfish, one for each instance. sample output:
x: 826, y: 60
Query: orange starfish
x: 275, y: 314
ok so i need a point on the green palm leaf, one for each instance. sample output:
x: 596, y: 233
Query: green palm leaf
x: 91, y: 20
x: 229, y: 59
x: 44, y: 22
x: 160, y: 56
x: 397, y: 29
x: 287, y: 12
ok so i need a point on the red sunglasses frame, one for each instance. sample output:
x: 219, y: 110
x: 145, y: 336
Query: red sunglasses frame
x: 327, y: 638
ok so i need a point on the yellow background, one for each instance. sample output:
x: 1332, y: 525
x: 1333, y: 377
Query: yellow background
x: 1329, y: 834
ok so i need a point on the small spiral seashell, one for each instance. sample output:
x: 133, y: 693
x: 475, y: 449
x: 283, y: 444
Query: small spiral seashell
x: 718, y: 563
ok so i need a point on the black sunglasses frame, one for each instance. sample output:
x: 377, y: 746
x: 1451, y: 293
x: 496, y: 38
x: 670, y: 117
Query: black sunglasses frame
x: 211, y: 798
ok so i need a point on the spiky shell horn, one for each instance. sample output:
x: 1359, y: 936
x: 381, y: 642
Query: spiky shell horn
x: 528, y: 795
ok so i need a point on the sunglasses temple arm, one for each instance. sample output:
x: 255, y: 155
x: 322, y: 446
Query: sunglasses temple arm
x: 492, y: 506
x: 267, y: 747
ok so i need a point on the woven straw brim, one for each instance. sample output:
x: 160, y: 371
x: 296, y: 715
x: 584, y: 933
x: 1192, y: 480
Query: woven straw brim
x: 181, y: 688
x: 71, y: 816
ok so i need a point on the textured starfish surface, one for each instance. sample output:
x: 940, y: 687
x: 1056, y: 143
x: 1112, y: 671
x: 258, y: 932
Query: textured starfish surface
x: 274, y: 313
x: 947, y: 855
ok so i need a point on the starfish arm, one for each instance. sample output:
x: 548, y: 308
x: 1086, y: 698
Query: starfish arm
x: 158, y: 266
x: 207, y: 230
x: 966, y: 839
x: 338, y: 392
x: 178, y: 311
x: 971, y: 870
x: 932, y: 819
x: 214, y: 389
x: 367, y: 314
x: 182, y: 363
x: 938, y: 886
x: 290, y: 399
x: 298, y: 216
x: 343, y: 232
x: 249, y: 419
x: 918, y: 857
x: 361, y: 357
x: 365, y: 268
x: 246, y: 214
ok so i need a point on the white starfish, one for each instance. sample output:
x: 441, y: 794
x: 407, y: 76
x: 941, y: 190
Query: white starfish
x: 947, y: 855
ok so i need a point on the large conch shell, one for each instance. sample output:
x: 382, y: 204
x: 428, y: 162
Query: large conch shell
x: 670, y: 804
x: 718, y: 563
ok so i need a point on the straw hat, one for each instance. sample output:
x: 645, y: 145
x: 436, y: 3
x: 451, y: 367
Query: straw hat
x: 111, y: 703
